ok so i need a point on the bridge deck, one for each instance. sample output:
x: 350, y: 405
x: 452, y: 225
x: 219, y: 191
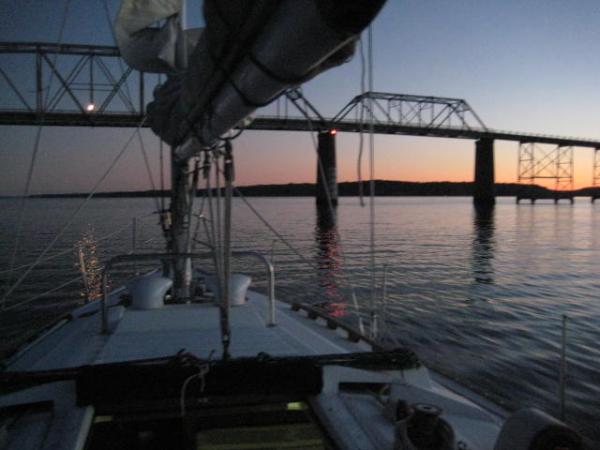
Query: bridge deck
x: 96, y: 74
x: 273, y: 123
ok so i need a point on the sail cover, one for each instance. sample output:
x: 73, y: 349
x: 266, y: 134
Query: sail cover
x: 248, y: 54
x: 144, y: 45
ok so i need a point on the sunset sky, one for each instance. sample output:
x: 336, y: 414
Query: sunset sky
x: 522, y: 65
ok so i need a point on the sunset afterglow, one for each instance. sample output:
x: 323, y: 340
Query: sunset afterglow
x: 516, y: 73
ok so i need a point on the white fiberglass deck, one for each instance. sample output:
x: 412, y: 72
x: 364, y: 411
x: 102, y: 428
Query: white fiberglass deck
x: 162, y: 332
x: 193, y: 327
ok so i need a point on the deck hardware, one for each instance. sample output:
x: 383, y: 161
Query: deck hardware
x: 353, y: 336
x: 165, y: 256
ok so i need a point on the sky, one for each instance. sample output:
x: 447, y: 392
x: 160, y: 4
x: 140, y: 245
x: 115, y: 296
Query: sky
x: 526, y: 65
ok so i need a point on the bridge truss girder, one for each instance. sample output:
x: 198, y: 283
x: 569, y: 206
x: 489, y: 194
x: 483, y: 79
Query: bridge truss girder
x: 412, y: 110
x: 82, y: 73
x: 540, y: 162
x: 69, y: 79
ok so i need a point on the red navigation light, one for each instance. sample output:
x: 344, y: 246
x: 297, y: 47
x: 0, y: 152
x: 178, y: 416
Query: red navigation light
x: 333, y: 132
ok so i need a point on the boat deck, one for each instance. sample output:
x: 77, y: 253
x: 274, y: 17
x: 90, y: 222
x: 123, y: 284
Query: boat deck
x: 194, y: 328
x: 165, y: 331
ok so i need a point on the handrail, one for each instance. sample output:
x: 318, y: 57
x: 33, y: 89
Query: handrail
x: 271, y: 273
x: 132, y: 257
x: 151, y: 256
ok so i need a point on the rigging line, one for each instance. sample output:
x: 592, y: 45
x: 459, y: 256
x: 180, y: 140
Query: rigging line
x: 199, y: 215
x: 331, y: 211
x: 49, y: 258
x: 36, y: 297
x: 330, y: 206
x: 34, y: 154
x: 371, y: 185
x: 59, y: 42
x: 194, y: 239
x: 361, y: 192
x: 72, y: 217
x: 191, y: 197
x: 68, y: 250
x: 162, y: 173
x: 160, y: 203
x: 321, y: 169
x: 162, y: 164
x: 212, y: 236
x: 107, y: 14
x: 147, y: 164
x: 218, y: 242
x: 272, y: 229
x: 203, y: 370
x: 228, y: 175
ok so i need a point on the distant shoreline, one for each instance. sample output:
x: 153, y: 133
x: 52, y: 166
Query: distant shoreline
x: 350, y: 189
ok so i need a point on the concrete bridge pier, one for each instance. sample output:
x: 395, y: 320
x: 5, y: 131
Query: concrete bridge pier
x: 484, y: 192
x: 326, y: 170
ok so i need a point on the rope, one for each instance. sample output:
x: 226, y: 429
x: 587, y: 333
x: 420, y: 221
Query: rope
x: 159, y: 203
x: 160, y: 206
x: 373, y: 323
x: 199, y: 218
x: 192, y: 197
x: 24, y: 266
x: 203, y: 370
x: 162, y: 173
x: 162, y: 165
x: 108, y: 16
x: 273, y: 230
x: 228, y: 176
x: 72, y: 217
x: 337, y: 233
x: 72, y: 281
x: 34, y: 154
x: 64, y: 252
x: 218, y: 242
x: 148, y: 170
x: 361, y: 120
x: 212, y: 236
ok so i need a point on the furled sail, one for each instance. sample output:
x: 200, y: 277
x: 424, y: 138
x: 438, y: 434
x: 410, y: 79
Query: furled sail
x: 149, y: 35
x: 249, y: 53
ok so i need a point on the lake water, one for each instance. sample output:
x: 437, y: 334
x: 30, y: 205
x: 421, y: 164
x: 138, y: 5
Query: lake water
x: 480, y: 297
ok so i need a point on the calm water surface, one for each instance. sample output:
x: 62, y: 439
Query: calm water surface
x: 478, y: 296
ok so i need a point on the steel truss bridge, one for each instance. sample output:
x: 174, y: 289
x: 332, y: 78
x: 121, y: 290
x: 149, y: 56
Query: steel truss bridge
x: 89, y: 85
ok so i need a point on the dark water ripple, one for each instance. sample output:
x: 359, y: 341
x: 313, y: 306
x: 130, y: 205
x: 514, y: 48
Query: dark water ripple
x: 479, y: 296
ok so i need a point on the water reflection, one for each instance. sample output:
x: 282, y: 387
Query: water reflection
x: 483, y: 245
x: 329, y: 262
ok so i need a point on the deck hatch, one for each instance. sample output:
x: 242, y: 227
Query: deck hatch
x: 236, y: 427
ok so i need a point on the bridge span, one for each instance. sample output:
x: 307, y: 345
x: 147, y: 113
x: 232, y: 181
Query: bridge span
x: 88, y: 85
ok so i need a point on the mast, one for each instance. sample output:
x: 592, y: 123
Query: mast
x: 182, y: 196
x: 182, y: 193
x: 242, y: 59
